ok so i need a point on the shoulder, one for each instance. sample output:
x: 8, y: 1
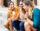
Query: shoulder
x: 36, y: 9
x: 9, y: 9
x: 16, y: 7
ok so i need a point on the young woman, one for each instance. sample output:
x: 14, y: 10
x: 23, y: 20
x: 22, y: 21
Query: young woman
x: 27, y: 6
x: 24, y: 18
x: 22, y: 14
x: 12, y: 15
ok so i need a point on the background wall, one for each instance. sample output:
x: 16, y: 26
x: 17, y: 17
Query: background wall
x: 38, y: 2
x: 1, y: 2
x: 15, y: 2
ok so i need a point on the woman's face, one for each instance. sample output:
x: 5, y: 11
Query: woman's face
x: 11, y: 5
x: 21, y: 4
x: 26, y: 7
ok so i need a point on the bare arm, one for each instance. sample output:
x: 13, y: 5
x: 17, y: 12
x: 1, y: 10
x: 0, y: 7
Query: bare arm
x: 8, y: 15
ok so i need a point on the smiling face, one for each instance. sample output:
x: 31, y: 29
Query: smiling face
x: 27, y: 5
x: 12, y: 5
x: 21, y: 4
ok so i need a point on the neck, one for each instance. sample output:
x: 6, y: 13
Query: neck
x: 26, y: 10
x: 13, y: 9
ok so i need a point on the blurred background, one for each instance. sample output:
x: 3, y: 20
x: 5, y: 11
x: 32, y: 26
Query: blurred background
x: 4, y: 8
